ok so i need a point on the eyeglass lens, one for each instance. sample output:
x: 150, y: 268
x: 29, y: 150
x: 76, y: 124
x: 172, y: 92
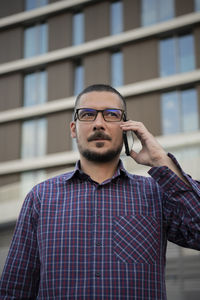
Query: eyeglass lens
x: 110, y: 115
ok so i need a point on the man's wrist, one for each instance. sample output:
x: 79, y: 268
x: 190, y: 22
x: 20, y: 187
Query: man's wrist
x: 166, y: 161
x: 162, y: 160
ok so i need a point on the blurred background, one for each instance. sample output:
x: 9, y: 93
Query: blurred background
x: 50, y: 50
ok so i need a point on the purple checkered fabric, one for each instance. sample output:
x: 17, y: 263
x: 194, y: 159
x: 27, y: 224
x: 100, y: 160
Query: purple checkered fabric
x: 77, y: 239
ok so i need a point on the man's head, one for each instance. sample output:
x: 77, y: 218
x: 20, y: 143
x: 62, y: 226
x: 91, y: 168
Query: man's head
x: 99, y: 111
x: 100, y: 88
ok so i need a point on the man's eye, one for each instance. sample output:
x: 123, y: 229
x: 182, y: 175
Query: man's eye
x: 113, y: 114
x: 87, y: 114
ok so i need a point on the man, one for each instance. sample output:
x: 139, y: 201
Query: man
x: 99, y: 232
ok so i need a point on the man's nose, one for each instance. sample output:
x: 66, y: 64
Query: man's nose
x: 99, y: 122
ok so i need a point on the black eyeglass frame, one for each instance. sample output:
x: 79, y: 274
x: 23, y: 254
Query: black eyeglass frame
x: 76, y: 115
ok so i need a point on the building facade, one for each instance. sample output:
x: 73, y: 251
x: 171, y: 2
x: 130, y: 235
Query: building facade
x: 148, y: 49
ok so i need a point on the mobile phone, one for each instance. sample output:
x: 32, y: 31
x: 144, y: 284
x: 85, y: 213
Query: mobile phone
x: 128, y: 141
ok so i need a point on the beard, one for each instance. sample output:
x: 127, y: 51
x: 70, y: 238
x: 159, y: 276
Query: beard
x: 99, y: 157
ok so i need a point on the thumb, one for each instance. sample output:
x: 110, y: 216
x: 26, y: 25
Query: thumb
x: 133, y: 154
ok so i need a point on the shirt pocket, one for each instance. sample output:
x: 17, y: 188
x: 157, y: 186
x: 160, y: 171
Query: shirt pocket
x: 136, y: 239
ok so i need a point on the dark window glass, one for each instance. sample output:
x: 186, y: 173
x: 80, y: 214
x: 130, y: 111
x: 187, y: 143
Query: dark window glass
x: 78, y: 78
x: 179, y: 111
x: 35, y: 40
x: 155, y: 11
x: 32, y: 4
x: 197, y: 5
x: 116, y: 18
x: 34, y: 134
x: 35, y: 88
x: 177, y: 55
x: 186, y: 53
x: 78, y: 29
x: 117, y: 73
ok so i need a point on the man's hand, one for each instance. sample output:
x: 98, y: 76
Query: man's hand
x: 152, y: 154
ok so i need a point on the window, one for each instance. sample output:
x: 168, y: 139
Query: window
x: 78, y: 78
x: 155, y: 11
x: 32, y: 4
x: 78, y: 29
x: 33, y: 131
x: 197, y: 5
x: 117, y: 74
x: 34, y: 138
x: 186, y: 52
x: 35, y: 88
x: 176, y: 55
x: 189, y: 110
x: 35, y: 40
x: 179, y: 111
x: 116, y: 19
x: 28, y: 179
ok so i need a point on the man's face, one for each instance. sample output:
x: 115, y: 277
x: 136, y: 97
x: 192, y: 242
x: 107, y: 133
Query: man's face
x: 99, y: 140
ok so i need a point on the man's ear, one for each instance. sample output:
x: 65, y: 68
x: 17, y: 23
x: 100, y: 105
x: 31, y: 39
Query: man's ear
x: 73, y: 129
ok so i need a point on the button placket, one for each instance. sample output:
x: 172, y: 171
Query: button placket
x: 98, y: 233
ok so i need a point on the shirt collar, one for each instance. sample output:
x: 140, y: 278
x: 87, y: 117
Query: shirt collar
x: 77, y: 172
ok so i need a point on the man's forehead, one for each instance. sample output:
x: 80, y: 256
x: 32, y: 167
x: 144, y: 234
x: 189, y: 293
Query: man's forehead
x: 100, y: 98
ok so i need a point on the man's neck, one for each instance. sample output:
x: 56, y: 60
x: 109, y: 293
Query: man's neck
x: 99, y: 172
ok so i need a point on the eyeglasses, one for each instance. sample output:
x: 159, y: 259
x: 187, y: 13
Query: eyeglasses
x: 90, y: 114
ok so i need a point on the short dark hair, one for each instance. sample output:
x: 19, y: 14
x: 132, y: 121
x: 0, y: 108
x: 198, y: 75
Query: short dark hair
x: 100, y: 88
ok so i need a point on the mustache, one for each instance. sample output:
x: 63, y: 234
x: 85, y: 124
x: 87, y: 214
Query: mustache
x: 99, y: 135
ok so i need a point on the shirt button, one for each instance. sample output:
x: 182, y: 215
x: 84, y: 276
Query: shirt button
x: 98, y: 274
x: 98, y: 214
x: 98, y: 243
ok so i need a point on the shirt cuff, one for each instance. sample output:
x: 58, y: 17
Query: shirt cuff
x: 169, y: 181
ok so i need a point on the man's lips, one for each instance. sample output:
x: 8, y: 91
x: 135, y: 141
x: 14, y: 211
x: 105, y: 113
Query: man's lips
x: 98, y: 139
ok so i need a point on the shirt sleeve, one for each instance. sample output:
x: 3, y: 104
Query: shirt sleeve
x: 181, y: 206
x: 20, y: 277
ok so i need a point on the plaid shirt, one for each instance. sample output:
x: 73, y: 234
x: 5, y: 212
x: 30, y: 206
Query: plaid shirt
x: 77, y: 239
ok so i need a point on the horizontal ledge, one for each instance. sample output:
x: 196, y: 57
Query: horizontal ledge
x: 100, y: 44
x: 161, y: 83
x: 37, y: 110
x: 48, y: 161
x: 133, y: 89
x: 176, y: 141
x: 43, y: 11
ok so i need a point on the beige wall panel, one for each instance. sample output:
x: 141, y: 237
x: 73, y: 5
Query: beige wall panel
x: 183, y: 7
x: 140, y: 61
x: 96, y: 68
x: 11, y: 91
x: 11, y: 42
x: 196, y: 33
x: 60, y: 80
x: 9, y: 179
x: 10, y: 137
x: 60, y: 31
x: 132, y: 15
x: 97, y: 22
x: 146, y: 109
x: 10, y: 7
x: 59, y: 138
